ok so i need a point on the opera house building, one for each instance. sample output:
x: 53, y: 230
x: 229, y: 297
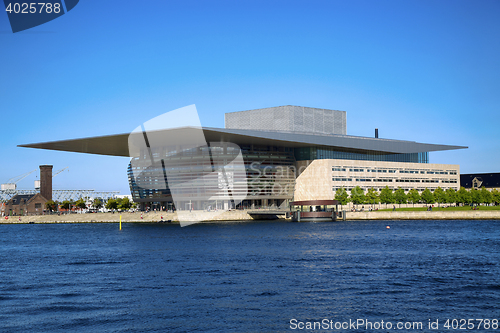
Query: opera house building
x: 264, y: 158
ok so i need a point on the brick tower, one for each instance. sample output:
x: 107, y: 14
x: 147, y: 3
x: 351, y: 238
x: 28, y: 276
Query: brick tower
x: 46, y: 181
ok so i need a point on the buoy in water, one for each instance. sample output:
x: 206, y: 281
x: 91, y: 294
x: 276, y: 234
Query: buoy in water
x: 388, y: 227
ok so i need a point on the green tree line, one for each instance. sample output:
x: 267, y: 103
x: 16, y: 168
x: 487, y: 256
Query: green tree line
x: 118, y: 203
x: 388, y: 196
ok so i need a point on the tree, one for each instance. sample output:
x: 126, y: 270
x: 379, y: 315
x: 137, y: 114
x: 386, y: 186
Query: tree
x: 427, y: 196
x: 118, y: 202
x: 451, y: 195
x: 463, y: 196
x: 97, y: 204
x: 342, y: 196
x: 386, y: 196
x: 413, y: 196
x: 486, y: 196
x: 81, y: 204
x: 400, y: 196
x: 66, y: 204
x: 112, y: 204
x: 475, y: 196
x: 495, y: 194
x: 357, y: 196
x: 439, y: 196
x: 372, y: 196
x: 51, y: 206
x: 125, y: 204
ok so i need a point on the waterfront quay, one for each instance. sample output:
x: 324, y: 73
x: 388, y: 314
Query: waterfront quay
x: 243, y: 215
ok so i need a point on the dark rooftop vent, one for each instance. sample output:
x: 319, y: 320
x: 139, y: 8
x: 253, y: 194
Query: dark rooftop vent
x: 376, y: 133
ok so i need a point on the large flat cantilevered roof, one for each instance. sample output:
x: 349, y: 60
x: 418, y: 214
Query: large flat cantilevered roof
x: 117, y: 145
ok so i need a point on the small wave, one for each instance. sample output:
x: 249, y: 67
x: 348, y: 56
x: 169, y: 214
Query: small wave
x: 266, y: 293
x: 493, y: 287
x: 92, y: 262
x: 69, y: 295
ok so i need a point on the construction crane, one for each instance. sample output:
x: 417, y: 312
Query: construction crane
x: 37, y: 182
x: 59, y: 171
x: 11, y: 184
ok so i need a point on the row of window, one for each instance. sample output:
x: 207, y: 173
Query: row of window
x: 384, y: 180
x: 406, y: 189
x: 362, y: 170
x: 389, y: 180
x: 441, y: 172
x: 342, y: 179
x: 343, y: 169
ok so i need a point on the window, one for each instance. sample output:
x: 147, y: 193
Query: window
x: 342, y: 179
x: 408, y: 171
x: 347, y: 188
x: 38, y: 205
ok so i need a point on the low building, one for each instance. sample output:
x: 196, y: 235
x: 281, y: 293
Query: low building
x: 490, y: 181
x: 25, y: 204
x: 32, y: 204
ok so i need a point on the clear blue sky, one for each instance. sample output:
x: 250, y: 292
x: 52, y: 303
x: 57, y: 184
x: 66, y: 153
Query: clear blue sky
x: 427, y: 71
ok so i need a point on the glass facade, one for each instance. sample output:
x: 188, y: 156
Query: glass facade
x: 270, y: 171
x: 314, y: 153
x: 268, y: 178
x: 268, y: 175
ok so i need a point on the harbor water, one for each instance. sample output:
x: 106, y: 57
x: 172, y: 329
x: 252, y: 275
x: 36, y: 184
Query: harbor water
x: 248, y: 277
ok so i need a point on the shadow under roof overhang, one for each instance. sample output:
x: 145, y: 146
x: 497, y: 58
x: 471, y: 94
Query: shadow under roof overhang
x: 117, y: 145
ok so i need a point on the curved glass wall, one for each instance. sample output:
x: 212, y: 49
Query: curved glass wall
x: 268, y: 178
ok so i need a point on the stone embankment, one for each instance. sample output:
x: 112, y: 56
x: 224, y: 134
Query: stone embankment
x: 426, y: 215
x: 238, y: 215
x: 129, y: 217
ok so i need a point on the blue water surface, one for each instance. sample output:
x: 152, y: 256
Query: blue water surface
x: 245, y: 277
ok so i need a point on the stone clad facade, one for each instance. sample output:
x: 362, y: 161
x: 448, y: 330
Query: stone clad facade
x: 321, y: 178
